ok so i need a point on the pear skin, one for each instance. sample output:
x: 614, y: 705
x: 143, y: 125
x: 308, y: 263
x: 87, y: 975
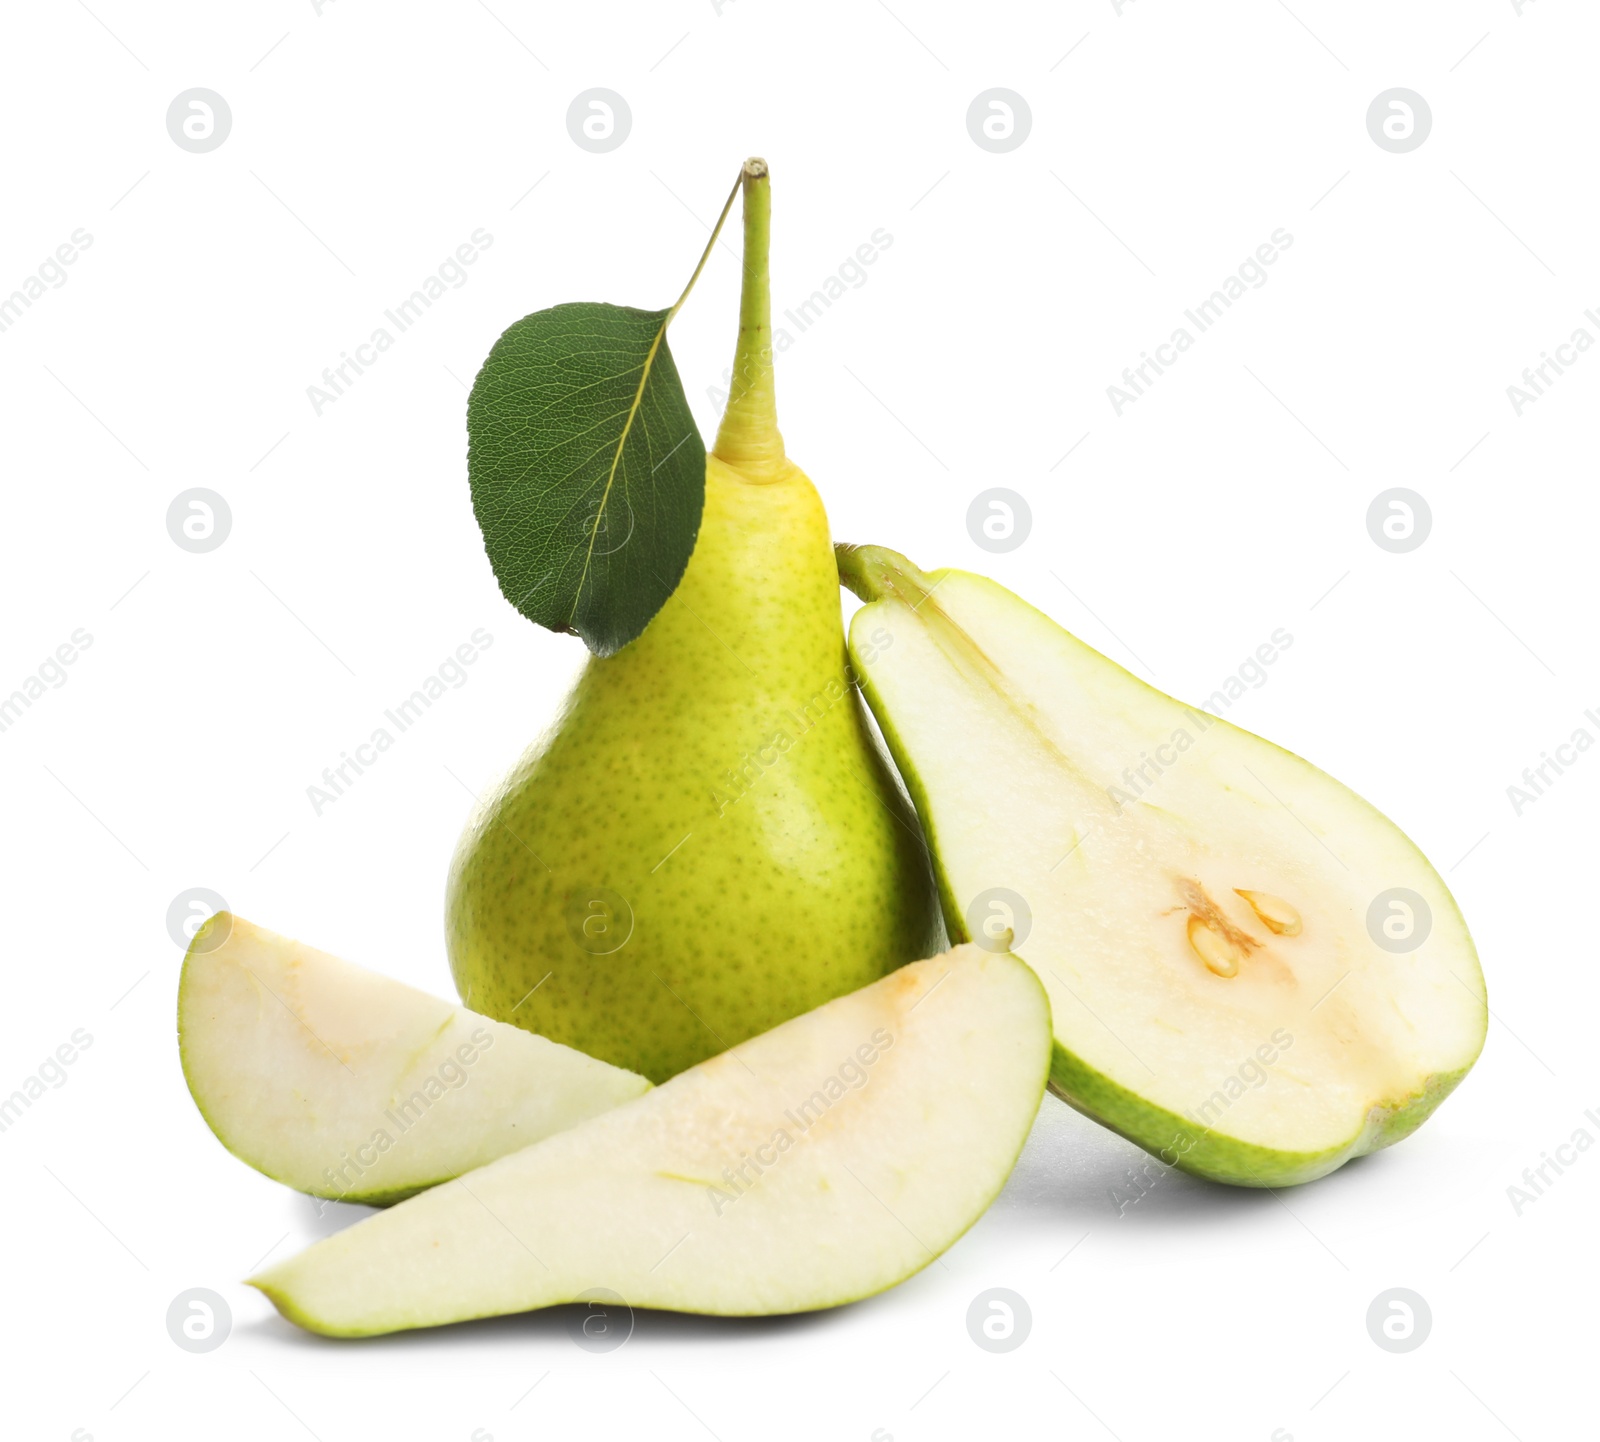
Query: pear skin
x: 708, y: 841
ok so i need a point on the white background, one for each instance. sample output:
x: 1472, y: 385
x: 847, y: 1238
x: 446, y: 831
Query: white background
x: 367, y: 143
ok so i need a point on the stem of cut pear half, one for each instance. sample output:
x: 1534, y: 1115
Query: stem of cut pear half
x: 875, y: 573
x: 748, y: 438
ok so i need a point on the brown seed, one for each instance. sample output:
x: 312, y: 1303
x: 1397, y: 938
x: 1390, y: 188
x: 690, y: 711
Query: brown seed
x: 1220, y: 955
x: 1276, y: 914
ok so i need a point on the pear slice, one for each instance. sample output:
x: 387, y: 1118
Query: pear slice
x: 1253, y: 974
x: 812, y: 1165
x: 340, y: 1082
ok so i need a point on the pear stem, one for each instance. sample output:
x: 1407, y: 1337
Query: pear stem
x: 748, y: 438
x: 875, y: 573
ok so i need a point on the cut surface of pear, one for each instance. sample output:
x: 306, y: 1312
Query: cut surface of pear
x: 811, y: 1166
x: 1253, y: 973
x: 340, y: 1082
x: 708, y: 789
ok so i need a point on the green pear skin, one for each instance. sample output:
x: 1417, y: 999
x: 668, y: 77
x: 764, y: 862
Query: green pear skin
x: 708, y: 840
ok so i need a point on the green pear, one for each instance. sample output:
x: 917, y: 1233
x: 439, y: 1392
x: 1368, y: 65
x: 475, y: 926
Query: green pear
x: 1252, y: 972
x: 708, y: 841
x: 340, y: 1082
x: 814, y: 1165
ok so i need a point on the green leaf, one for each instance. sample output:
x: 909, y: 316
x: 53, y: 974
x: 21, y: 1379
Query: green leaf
x: 588, y: 474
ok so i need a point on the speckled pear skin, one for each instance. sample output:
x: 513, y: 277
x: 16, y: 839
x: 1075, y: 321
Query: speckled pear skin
x: 717, y: 774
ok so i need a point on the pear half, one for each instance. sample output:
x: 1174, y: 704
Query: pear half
x: 1253, y: 973
x: 340, y: 1082
x: 813, y: 1165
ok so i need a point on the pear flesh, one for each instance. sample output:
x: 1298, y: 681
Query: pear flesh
x: 819, y: 1163
x: 342, y: 1083
x: 1253, y: 973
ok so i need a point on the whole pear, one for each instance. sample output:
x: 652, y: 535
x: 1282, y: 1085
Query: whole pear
x: 708, y: 841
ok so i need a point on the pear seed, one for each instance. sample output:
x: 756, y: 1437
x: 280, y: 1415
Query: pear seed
x: 1220, y: 955
x: 1276, y: 914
